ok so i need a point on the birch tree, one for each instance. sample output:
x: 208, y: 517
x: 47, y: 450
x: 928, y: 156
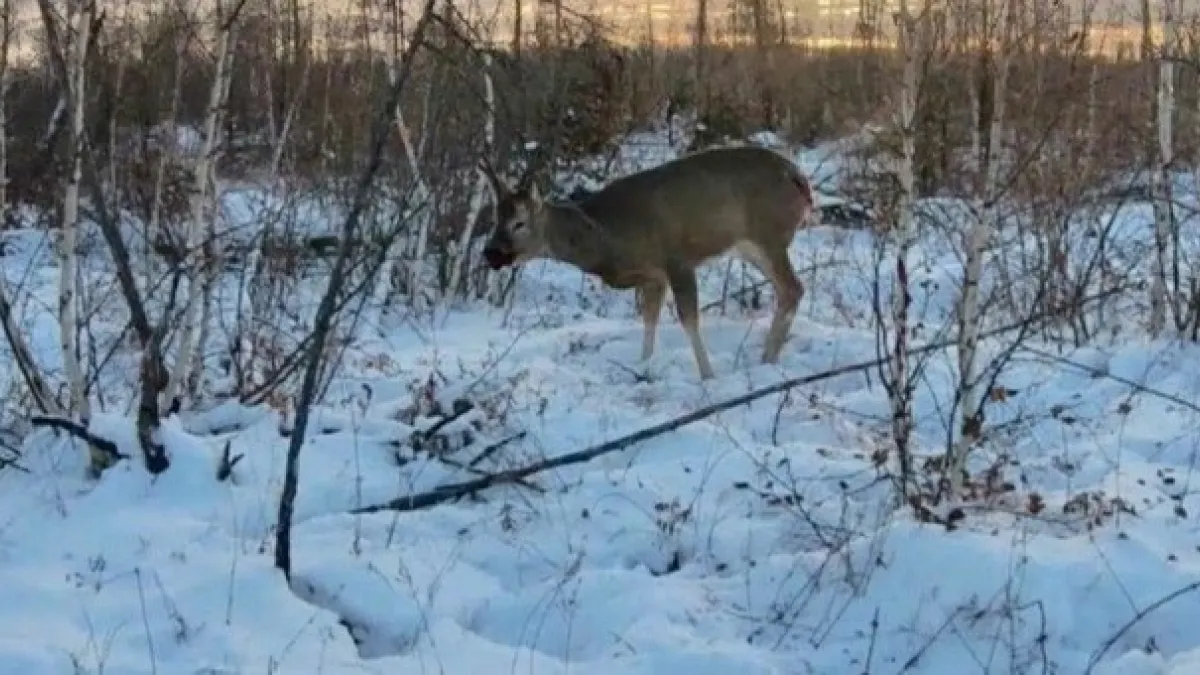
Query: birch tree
x: 700, y: 72
x: 282, y: 98
x: 1166, y: 225
x: 897, y: 377
x: 80, y: 17
x: 203, y: 210
x: 69, y: 42
x: 988, y: 185
x: 64, y: 55
x: 482, y: 185
x: 423, y: 194
x: 1161, y: 153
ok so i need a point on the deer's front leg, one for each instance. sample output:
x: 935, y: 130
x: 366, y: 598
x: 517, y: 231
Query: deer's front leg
x: 687, y: 304
x: 652, y: 299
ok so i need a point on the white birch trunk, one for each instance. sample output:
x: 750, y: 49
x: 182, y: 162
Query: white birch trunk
x: 76, y: 51
x: 60, y: 109
x: 479, y: 195
x: 1089, y: 137
x: 286, y: 128
x: 423, y: 202
x: 323, y: 151
x: 112, y: 123
x: 975, y: 240
x: 1166, y: 227
x: 195, y: 373
x: 1160, y: 176
x: 424, y: 206
x: 199, y: 224
x: 212, y: 268
x: 904, y: 238
x: 264, y: 79
x: 976, y: 108
x: 250, y: 299
x: 426, y: 106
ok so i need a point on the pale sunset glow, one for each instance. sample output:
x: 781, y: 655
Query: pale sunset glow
x: 812, y: 24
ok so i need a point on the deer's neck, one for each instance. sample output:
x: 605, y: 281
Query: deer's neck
x: 572, y: 237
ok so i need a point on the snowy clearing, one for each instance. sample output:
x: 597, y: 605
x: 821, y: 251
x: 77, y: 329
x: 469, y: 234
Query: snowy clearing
x: 759, y: 540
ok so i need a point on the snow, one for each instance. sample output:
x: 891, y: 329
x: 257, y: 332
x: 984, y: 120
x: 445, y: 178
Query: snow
x: 759, y: 540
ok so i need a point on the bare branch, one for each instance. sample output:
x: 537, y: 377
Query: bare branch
x: 325, y: 311
x: 81, y: 432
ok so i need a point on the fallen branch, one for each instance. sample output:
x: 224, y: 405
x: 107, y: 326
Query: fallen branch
x: 420, y: 439
x: 79, y: 431
x: 491, y: 449
x: 454, y: 491
x: 480, y: 472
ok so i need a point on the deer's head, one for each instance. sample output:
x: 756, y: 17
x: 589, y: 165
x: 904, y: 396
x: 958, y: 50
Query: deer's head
x: 519, y: 234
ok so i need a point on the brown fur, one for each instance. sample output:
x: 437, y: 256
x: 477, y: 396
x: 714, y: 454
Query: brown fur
x: 650, y: 230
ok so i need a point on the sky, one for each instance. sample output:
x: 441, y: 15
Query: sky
x: 818, y: 20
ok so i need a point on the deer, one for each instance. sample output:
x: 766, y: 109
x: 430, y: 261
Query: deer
x: 650, y: 230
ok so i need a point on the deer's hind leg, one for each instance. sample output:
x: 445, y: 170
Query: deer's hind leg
x: 652, y: 294
x: 682, y: 280
x: 774, y: 263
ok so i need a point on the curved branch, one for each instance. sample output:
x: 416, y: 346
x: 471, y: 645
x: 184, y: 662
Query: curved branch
x: 78, y: 431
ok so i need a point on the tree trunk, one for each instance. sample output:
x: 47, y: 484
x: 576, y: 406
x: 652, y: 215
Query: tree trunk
x: 201, y: 229
x: 323, y: 320
x: 76, y: 52
x: 900, y: 388
x: 988, y: 185
x: 479, y: 195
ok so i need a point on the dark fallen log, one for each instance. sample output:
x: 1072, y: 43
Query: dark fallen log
x: 454, y: 491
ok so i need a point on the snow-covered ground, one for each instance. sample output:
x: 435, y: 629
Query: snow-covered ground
x: 759, y: 540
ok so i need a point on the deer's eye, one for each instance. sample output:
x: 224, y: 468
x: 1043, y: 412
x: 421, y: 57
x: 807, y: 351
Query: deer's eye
x: 517, y: 227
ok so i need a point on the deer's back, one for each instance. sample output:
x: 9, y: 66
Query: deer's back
x: 701, y: 205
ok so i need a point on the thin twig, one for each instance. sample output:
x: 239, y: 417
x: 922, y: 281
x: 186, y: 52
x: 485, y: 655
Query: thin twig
x: 915, y: 660
x: 137, y: 573
x: 1157, y: 604
x: 871, y: 644
x: 763, y: 283
x: 1097, y: 372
